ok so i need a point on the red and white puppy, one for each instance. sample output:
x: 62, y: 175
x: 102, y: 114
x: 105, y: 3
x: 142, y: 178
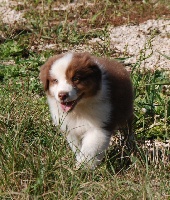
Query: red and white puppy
x: 89, y: 98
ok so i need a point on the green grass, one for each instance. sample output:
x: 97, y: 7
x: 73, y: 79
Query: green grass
x: 35, y: 160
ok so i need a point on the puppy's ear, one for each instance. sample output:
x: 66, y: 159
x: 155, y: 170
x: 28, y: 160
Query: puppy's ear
x: 44, y: 74
x: 44, y: 71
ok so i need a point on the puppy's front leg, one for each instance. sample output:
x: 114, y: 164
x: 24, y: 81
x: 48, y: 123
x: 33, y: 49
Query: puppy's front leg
x: 74, y: 142
x: 94, y: 144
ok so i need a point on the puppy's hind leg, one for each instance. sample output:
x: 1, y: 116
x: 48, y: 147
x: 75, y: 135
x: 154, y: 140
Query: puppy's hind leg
x: 129, y: 137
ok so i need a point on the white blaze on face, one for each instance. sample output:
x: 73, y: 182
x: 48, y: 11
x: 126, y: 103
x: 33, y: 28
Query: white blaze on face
x: 58, y: 72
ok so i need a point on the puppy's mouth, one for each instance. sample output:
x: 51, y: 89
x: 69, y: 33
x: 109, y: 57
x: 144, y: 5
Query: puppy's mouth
x: 68, y: 106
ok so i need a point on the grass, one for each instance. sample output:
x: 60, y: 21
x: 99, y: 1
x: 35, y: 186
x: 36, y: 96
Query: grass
x: 35, y: 160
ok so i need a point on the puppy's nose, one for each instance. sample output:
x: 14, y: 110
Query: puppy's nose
x: 63, y: 95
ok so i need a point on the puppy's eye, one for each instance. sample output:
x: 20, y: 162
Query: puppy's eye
x: 76, y: 79
x: 55, y: 81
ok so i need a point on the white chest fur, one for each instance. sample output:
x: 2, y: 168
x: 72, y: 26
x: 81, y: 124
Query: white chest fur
x: 89, y: 114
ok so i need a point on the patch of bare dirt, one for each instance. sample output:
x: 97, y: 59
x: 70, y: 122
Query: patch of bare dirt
x: 9, y: 15
x: 146, y: 42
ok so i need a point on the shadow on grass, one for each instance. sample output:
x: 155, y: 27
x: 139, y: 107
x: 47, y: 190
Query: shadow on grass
x: 120, y: 157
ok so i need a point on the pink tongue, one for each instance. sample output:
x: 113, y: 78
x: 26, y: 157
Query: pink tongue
x: 66, y: 108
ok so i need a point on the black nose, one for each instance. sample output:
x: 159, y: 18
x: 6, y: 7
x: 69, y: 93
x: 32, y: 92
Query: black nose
x: 63, y: 95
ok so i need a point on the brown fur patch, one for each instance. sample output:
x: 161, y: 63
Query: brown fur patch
x: 84, y: 74
x: 121, y: 93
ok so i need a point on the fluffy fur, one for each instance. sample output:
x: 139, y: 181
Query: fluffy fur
x: 89, y: 98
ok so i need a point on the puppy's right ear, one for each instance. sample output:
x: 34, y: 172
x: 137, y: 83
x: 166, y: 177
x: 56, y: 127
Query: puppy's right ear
x: 44, y: 71
x: 44, y: 74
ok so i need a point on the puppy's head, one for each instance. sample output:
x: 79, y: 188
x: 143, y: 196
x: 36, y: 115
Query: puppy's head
x: 71, y: 77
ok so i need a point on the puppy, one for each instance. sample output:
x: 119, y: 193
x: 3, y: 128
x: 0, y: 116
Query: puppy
x: 89, y: 98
